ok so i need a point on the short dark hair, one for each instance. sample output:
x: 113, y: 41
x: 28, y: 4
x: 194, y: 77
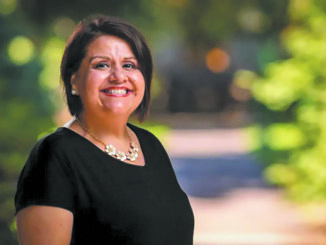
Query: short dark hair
x: 76, y: 48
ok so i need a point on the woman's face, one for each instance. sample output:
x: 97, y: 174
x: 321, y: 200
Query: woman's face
x: 108, y: 80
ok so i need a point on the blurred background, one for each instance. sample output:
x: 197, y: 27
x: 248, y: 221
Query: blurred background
x: 239, y: 101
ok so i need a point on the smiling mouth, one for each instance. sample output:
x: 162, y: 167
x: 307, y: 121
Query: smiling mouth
x: 116, y: 91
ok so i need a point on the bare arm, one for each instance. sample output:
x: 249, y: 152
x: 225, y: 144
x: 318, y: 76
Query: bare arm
x: 40, y: 225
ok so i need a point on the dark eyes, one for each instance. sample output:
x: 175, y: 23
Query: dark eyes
x: 101, y: 65
x: 106, y: 65
x: 130, y: 65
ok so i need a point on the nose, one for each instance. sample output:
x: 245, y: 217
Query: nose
x: 118, y: 75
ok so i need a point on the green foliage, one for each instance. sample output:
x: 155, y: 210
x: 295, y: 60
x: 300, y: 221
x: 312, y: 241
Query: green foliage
x: 25, y: 111
x: 294, y: 148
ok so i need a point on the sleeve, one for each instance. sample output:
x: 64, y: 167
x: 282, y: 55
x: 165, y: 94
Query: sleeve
x: 45, y: 179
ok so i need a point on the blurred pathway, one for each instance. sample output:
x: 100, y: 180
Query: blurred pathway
x: 231, y: 202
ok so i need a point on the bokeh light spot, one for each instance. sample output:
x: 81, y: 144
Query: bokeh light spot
x: 20, y: 50
x: 253, y: 20
x: 51, y: 58
x: 217, y: 60
x: 284, y: 136
x: 299, y: 8
x: 63, y: 27
x: 280, y: 174
x: 244, y: 79
x: 240, y: 94
x: 7, y: 6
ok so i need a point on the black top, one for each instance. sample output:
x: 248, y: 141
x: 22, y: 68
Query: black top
x: 112, y: 202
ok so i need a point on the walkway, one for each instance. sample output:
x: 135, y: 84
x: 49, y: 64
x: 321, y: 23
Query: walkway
x: 231, y: 202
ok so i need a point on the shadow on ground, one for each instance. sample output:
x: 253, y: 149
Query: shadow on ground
x: 210, y: 177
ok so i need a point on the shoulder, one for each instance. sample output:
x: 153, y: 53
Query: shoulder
x: 46, y: 178
x: 61, y: 135
x: 54, y: 143
x: 48, y: 155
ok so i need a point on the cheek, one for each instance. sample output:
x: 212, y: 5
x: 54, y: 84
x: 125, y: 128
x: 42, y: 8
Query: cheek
x: 92, y: 81
x: 140, y: 81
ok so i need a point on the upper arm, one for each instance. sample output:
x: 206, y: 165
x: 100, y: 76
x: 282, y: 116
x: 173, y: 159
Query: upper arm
x: 39, y: 225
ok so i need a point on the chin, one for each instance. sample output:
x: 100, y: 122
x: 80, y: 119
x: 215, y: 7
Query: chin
x: 118, y: 111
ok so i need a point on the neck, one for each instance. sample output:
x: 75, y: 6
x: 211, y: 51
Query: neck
x: 105, y: 127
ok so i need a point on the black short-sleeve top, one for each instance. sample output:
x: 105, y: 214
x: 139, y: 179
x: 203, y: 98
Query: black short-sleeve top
x: 112, y: 202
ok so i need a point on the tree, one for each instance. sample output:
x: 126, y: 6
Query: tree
x: 293, y: 91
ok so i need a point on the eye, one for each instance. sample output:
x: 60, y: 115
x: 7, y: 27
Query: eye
x: 130, y: 66
x: 101, y: 65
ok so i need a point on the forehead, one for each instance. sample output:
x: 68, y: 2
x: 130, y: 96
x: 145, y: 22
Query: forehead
x: 109, y: 44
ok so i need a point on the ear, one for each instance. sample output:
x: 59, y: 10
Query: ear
x: 73, y: 81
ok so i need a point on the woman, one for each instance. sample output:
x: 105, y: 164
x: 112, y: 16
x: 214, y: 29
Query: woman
x: 100, y: 180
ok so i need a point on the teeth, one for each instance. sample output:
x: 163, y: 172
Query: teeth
x: 116, y: 91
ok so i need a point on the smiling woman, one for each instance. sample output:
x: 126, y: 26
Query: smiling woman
x: 99, y: 179
x: 109, y: 80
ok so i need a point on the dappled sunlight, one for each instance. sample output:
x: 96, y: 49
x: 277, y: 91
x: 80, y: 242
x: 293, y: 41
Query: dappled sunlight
x: 20, y: 50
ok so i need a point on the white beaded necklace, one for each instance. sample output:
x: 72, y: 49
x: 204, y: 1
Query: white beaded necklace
x: 131, y: 155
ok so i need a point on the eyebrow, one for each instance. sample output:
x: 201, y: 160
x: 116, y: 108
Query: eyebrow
x: 108, y: 58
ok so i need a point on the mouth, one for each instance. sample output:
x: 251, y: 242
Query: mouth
x: 116, y: 92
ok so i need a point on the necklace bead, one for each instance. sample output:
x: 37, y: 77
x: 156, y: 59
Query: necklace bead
x: 132, y: 154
